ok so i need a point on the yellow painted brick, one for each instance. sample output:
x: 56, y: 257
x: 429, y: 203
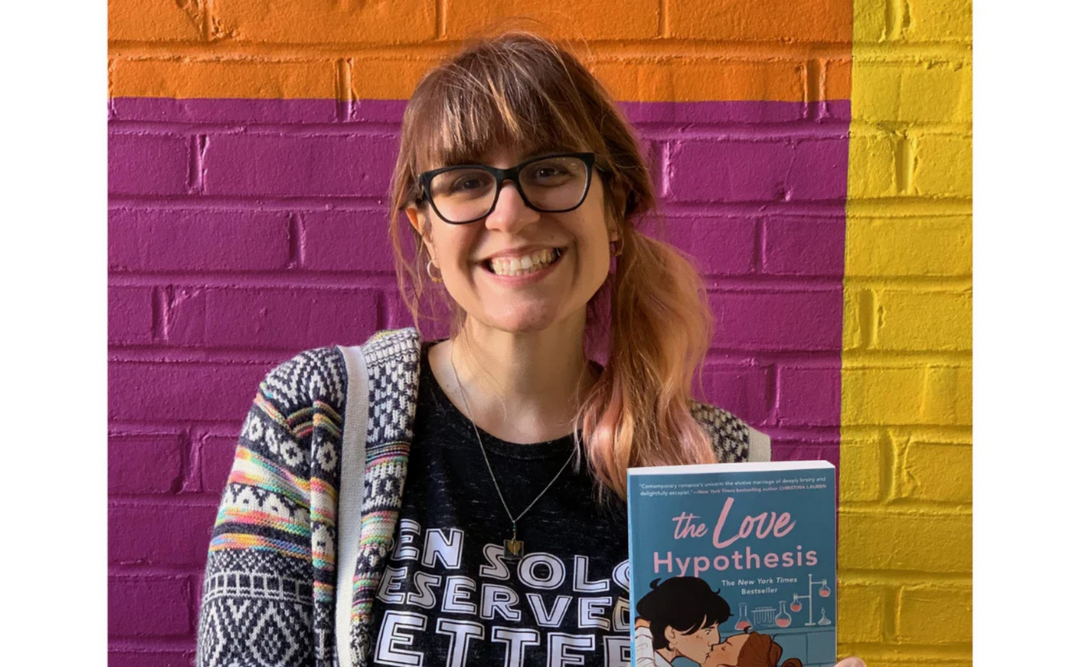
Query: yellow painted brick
x: 942, y: 165
x: 877, y: 395
x: 947, y: 396
x: 934, y: 471
x: 934, y: 615
x: 154, y: 20
x: 582, y: 19
x: 872, y: 165
x: 861, y: 463
x: 919, y: 92
x: 855, y: 334
x: 908, y: 246
x: 932, y: 20
x: 912, y: 20
x: 862, y: 611
x: 373, y: 21
x: 883, y: 540
x: 917, y: 320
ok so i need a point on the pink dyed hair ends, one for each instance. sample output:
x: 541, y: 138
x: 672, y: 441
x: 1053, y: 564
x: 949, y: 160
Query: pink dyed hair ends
x: 519, y: 89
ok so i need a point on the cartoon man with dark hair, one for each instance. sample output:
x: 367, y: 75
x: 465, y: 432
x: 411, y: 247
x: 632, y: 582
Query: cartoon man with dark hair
x: 678, y: 618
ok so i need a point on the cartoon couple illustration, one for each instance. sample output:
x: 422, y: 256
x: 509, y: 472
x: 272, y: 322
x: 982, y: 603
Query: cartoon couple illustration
x: 680, y: 618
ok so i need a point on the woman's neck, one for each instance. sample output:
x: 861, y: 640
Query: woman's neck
x: 522, y: 388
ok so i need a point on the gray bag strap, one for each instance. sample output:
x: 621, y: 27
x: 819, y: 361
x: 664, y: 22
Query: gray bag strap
x: 350, y: 497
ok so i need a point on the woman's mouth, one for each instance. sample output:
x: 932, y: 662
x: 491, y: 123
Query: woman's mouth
x: 525, y: 265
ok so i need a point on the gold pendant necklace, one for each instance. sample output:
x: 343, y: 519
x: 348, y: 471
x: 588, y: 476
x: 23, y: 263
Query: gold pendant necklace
x: 513, y: 548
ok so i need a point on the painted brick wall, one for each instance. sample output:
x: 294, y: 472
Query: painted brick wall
x: 905, y: 504
x: 250, y: 152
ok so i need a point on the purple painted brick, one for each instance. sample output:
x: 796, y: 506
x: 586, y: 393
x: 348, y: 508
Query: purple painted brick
x: 742, y: 391
x: 804, y: 246
x: 171, y: 240
x: 281, y: 318
x: 145, y: 463
x: 160, y: 534
x: 346, y: 241
x: 804, y: 320
x: 299, y: 165
x: 377, y: 111
x: 216, y: 456
x: 740, y: 111
x: 765, y: 170
x: 133, y: 658
x: 148, y: 164
x: 217, y: 110
x: 131, y: 315
x: 798, y: 450
x: 721, y: 246
x: 148, y: 391
x: 150, y: 606
x: 809, y: 396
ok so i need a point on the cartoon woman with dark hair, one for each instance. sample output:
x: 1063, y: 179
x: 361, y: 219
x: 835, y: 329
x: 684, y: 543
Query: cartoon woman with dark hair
x: 678, y: 618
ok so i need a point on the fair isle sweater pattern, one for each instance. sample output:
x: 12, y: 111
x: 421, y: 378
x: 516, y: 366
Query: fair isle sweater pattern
x: 269, y: 584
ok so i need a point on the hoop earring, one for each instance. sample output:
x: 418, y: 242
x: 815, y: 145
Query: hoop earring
x: 620, y: 247
x: 433, y: 278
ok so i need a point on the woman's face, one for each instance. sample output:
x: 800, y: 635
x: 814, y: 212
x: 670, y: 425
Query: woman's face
x: 726, y: 654
x: 521, y: 304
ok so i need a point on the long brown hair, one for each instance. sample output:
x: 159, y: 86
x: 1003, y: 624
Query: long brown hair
x: 761, y: 651
x: 521, y: 90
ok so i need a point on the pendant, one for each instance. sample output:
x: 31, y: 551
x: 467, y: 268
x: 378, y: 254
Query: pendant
x: 513, y: 548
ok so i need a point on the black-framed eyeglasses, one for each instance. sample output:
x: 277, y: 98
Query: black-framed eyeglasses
x: 465, y: 193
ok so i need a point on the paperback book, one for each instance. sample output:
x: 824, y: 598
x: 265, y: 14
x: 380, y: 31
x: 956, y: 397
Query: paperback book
x: 733, y: 565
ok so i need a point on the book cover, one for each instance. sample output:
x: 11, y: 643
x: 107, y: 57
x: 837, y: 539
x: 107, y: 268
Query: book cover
x: 733, y: 565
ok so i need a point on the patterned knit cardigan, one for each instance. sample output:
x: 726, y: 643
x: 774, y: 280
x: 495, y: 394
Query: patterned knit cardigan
x: 268, y: 591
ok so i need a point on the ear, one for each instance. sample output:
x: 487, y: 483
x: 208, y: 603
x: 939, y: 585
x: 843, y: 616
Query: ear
x: 419, y: 222
x: 670, y: 635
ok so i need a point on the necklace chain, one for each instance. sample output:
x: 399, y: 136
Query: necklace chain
x: 483, y: 451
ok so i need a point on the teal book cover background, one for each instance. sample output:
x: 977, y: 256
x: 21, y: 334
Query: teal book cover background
x: 720, y: 551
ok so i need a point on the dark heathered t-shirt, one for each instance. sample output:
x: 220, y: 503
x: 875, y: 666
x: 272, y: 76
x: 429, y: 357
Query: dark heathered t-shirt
x: 449, y: 597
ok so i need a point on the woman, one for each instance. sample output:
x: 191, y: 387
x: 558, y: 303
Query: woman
x: 750, y: 649
x: 506, y: 542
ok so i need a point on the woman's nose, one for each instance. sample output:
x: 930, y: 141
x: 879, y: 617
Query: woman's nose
x: 510, y: 212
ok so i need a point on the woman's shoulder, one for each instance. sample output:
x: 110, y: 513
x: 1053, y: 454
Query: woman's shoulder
x: 733, y: 439
x: 319, y: 373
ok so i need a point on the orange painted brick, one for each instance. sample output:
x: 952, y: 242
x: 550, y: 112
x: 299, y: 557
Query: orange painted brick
x: 861, y: 462
x: 386, y: 79
x: 260, y: 79
x: 687, y: 80
x: 934, y: 615
x: 346, y: 21
x: 938, y: 543
x: 838, y: 79
x: 917, y: 246
x: 936, y: 472
x: 767, y: 20
x: 862, y: 611
x: 582, y: 19
x: 154, y: 20
x: 943, y: 165
x: 919, y: 320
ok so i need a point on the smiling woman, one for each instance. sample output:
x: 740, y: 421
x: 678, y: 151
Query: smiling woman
x: 516, y: 196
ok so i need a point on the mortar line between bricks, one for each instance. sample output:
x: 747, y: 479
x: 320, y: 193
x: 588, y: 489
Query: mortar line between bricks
x: 353, y: 280
x: 646, y: 49
x: 663, y: 27
x: 164, y: 500
x: 440, y: 20
x: 374, y: 204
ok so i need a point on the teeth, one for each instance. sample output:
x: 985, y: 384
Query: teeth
x: 520, y: 266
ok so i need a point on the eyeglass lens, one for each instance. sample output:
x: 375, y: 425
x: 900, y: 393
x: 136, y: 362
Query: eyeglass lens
x: 550, y: 184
